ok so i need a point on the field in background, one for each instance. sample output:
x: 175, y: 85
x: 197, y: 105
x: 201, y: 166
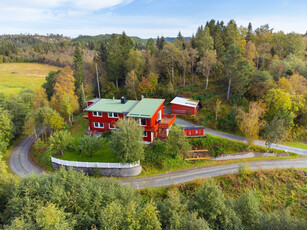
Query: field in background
x: 15, y: 77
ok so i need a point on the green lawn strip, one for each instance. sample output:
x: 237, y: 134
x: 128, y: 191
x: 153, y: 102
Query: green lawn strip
x: 80, y: 125
x: 299, y: 145
x: 275, y: 188
x: 176, y: 165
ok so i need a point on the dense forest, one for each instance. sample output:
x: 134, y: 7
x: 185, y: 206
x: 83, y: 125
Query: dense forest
x: 71, y: 200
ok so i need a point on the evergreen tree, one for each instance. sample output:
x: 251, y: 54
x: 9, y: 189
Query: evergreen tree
x: 79, y: 73
x: 249, y: 35
x: 50, y: 83
x: 203, y: 40
x: 238, y: 71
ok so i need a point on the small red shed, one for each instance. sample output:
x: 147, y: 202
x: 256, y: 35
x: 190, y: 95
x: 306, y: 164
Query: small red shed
x: 181, y: 105
x: 194, y: 131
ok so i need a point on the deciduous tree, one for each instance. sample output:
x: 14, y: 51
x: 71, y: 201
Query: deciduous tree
x: 126, y: 141
x: 250, y: 123
x: 274, y: 131
x: 59, y: 141
x: 206, y: 64
x: 131, y: 84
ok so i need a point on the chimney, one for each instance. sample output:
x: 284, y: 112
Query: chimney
x: 123, y: 100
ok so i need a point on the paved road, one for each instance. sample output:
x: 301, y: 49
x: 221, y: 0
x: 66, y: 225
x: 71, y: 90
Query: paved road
x: 181, y: 122
x: 19, y: 159
x: 202, y: 172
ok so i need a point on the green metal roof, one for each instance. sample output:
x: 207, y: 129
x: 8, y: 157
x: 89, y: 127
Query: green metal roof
x: 145, y: 108
x: 110, y: 105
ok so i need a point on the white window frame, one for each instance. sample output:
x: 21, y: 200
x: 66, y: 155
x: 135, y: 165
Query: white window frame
x: 140, y: 120
x: 111, y: 127
x: 97, y: 114
x: 98, y: 125
x: 112, y: 115
x: 159, y: 115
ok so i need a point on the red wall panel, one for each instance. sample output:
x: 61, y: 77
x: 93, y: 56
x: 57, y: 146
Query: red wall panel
x: 181, y: 109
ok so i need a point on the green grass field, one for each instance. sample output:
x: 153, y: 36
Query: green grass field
x: 15, y: 77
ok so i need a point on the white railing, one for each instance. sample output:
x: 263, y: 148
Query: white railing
x: 80, y: 164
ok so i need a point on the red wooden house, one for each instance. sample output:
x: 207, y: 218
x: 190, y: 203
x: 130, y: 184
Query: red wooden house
x: 102, y: 115
x: 181, y: 105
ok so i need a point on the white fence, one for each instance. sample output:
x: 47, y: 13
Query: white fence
x: 79, y: 164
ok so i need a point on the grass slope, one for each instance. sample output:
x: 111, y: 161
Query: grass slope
x: 299, y: 145
x: 15, y: 77
x: 275, y: 189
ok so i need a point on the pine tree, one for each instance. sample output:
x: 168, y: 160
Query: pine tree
x: 79, y: 73
x: 249, y: 35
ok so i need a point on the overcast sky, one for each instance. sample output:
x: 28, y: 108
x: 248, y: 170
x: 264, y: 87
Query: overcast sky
x: 145, y: 18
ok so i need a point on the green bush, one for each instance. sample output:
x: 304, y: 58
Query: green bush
x: 229, y: 123
x: 204, y: 96
x: 89, y: 144
x: 156, y: 154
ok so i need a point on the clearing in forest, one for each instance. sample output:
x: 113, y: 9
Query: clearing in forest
x: 15, y: 77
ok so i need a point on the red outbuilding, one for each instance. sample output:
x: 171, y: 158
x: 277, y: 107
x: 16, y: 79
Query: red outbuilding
x: 181, y: 105
x: 194, y: 131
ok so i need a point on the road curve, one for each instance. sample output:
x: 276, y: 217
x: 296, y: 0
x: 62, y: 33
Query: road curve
x: 19, y: 159
x: 182, y: 176
x: 181, y: 122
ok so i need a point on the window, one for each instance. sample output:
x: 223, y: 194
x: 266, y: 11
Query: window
x: 115, y: 115
x: 111, y: 126
x: 98, y: 125
x: 145, y: 134
x: 159, y: 115
x: 97, y: 114
x: 143, y: 121
x: 196, y: 131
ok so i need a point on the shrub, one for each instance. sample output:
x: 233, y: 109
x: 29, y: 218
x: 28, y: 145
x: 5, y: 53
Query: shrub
x: 177, y: 142
x: 244, y: 169
x: 157, y: 154
x: 229, y: 123
x: 89, y: 144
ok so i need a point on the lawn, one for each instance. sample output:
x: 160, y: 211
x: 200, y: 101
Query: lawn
x: 299, y: 145
x: 103, y: 155
x: 79, y: 127
x: 15, y: 77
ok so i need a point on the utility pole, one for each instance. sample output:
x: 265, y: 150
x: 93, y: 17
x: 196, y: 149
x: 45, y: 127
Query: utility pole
x: 83, y: 94
x: 173, y: 72
x: 97, y: 81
